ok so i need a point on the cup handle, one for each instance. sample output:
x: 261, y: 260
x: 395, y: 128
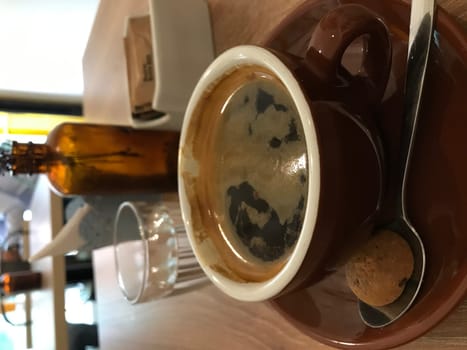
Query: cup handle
x: 333, y: 35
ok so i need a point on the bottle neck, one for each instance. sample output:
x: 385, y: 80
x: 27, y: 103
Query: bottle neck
x: 25, y: 158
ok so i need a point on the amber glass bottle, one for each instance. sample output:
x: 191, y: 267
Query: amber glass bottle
x: 83, y: 159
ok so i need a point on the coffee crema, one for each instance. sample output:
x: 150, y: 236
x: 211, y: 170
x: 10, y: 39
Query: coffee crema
x: 250, y: 194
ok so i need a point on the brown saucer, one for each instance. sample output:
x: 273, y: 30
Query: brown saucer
x: 437, y: 188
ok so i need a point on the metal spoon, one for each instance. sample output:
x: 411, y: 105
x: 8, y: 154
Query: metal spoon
x: 421, y: 30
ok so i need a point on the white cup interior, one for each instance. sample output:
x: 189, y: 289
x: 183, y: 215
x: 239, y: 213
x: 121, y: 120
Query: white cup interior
x: 205, y: 251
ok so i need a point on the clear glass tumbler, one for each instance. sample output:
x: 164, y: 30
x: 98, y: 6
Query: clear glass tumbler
x: 153, y: 257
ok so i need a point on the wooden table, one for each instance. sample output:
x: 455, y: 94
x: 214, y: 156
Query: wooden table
x: 205, y: 319
x: 47, y: 306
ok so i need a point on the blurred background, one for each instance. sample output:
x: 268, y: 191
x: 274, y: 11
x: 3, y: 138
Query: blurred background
x: 42, y: 43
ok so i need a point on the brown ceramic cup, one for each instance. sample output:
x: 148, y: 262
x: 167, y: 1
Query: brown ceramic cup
x: 328, y: 127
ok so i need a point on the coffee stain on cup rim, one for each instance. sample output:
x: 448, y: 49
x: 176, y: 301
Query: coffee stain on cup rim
x: 196, y: 222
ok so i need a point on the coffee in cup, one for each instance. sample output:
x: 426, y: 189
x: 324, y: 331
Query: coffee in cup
x: 280, y: 168
x: 253, y: 173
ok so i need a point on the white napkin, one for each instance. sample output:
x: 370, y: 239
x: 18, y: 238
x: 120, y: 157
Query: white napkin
x: 91, y: 226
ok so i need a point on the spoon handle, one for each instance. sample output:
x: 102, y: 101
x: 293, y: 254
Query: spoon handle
x: 421, y: 29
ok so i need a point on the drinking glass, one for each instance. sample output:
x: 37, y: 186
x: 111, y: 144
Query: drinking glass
x: 153, y: 256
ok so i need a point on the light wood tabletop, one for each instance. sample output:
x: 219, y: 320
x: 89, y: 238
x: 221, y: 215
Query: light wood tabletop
x: 204, y: 319
x: 48, y: 325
